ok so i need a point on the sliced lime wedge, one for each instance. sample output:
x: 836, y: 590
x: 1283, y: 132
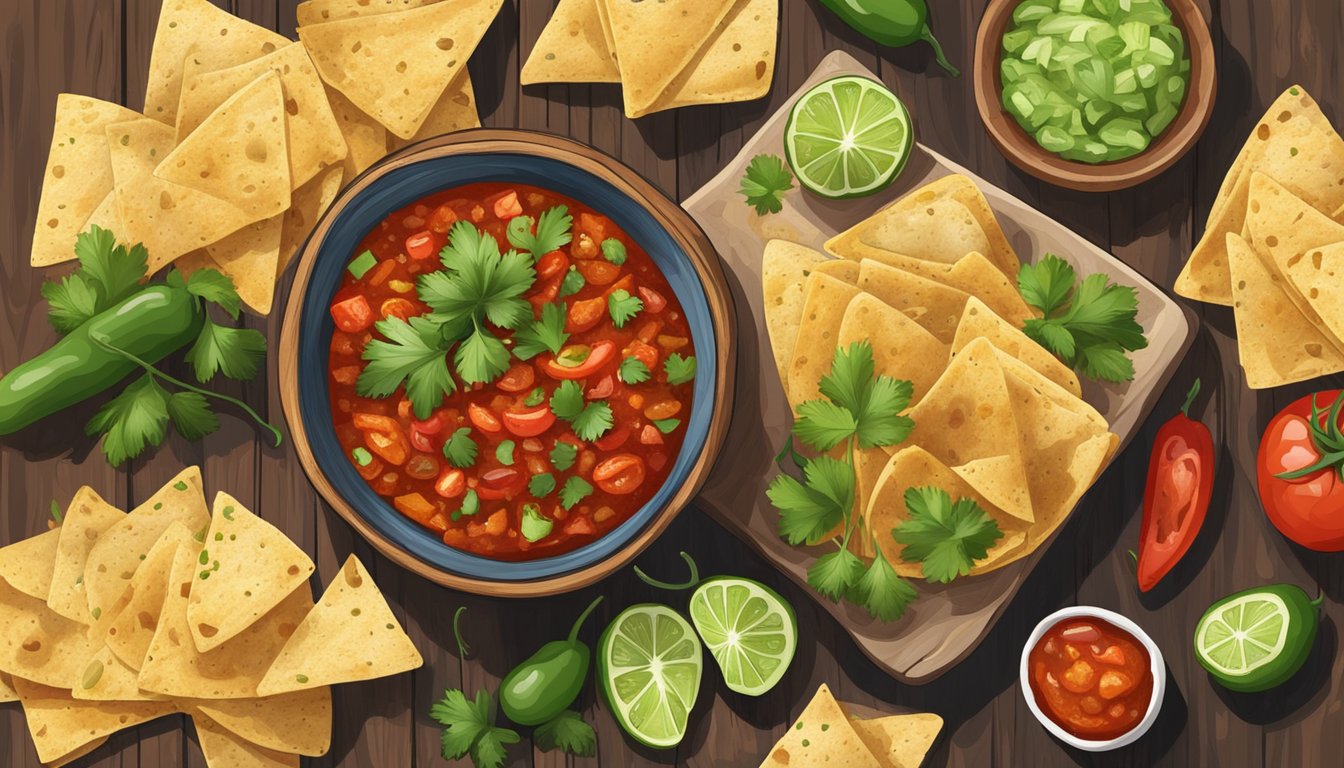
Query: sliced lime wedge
x: 848, y: 137
x: 1244, y: 635
x: 649, y: 664
x: 749, y: 629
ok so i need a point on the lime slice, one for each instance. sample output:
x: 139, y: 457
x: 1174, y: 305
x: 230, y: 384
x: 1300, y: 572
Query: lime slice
x: 649, y: 664
x: 750, y: 630
x: 1257, y: 639
x: 848, y: 137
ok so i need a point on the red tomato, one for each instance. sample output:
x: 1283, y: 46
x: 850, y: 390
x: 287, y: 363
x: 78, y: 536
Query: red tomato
x: 599, y: 355
x: 592, y: 226
x: 353, y: 315
x: 599, y: 272
x: 421, y: 441
x: 653, y: 300
x: 1308, y: 509
x: 603, y: 389
x: 552, y: 264
x: 545, y: 292
x: 619, y: 475
x: 402, y: 308
x: 420, y: 246
x: 585, y: 314
x: 501, y: 483
x: 529, y: 423
x: 442, y: 219
x: 483, y: 418
x: 507, y: 206
x: 422, y: 466
x: 650, y: 435
x: 613, y: 439
x: 518, y: 378
x: 451, y: 483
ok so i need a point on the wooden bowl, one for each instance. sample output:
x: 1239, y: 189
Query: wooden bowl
x: 681, y: 250
x: 1023, y: 151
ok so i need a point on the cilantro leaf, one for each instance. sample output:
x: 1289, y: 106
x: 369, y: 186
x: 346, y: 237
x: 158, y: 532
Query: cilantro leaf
x: 107, y: 274
x: 481, y: 357
x: 469, y: 729
x: 882, y: 591
x: 945, y: 538
x: 613, y: 250
x: 191, y: 415
x: 414, y: 352
x: 573, y: 282
x: 133, y: 420
x: 216, y: 288
x: 546, y: 334
x: 767, y: 177
x: 567, y: 731
x: 679, y: 369
x: 575, y: 489
x: 234, y: 352
x: 563, y: 455
x: 593, y: 422
x: 552, y: 230
x: 567, y: 400
x: 479, y: 283
x: 1046, y: 285
x: 835, y: 573
x: 1106, y: 362
x: 540, y: 486
x: 504, y: 452
x: 874, y: 403
x: 823, y: 425
x: 73, y: 301
x: 460, y: 449
x: 808, y: 510
x: 623, y: 307
x: 633, y: 371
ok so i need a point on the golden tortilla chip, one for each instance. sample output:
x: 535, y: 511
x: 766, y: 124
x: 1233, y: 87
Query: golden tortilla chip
x: 248, y: 567
x: 572, y: 48
x: 128, y: 623
x: 38, y: 644
x: 737, y: 63
x: 239, y: 154
x: 899, y: 741
x: 78, y: 176
x: 27, y: 563
x: 902, y: 348
x: 107, y: 215
x: 1295, y: 145
x: 1317, y: 276
x: 310, y: 202
x: 350, y: 635
x: 250, y: 258
x: 825, y: 300
x: 654, y: 42
x: 108, y: 678
x: 7, y: 692
x: 979, y: 321
x: 840, y: 269
x: 60, y: 725
x: 87, y: 517
x: 455, y: 111
x: 934, y: 306
x: 390, y: 67
x: 222, y: 749
x: 365, y: 137
x: 212, y: 37
x: 823, y: 735
x: 972, y: 274
x: 318, y: 11
x: 784, y: 268
x: 298, y: 722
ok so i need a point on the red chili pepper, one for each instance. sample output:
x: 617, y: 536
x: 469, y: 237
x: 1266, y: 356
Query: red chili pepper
x: 1176, y: 500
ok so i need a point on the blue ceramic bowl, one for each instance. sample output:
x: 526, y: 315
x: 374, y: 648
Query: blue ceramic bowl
x: 663, y: 229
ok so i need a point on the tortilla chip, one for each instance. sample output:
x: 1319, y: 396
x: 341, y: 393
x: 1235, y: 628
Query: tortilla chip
x: 107, y: 215
x: 222, y: 749
x: 1317, y: 276
x: 27, y: 563
x: 313, y: 137
x: 572, y: 48
x: 212, y: 37
x: 249, y: 567
x: 87, y: 517
x: 825, y: 300
x: 934, y: 306
x: 364, y: 57
x: 128, y: 624
x: 250, y: 258
x: 298, y: 722
x: 972, y: 274
x: 900, y: 741
x: 840, y: 269
x: 350, y: 635
x: 309, y: 203
x: 784, y: 268
x: 823, y: 735
x: 78, y: 175
x: 654, y: 42
x: 38, y: 644
x: 455, y: 111
x: 902, y: 348
x: 1295, y: 145
x: 7, y: 692
x: 60, y: 725
x: 737, y: 63
x: 979, y: 321
x: 174, y: 667
x: 366, y: 139
x: 108, y: 678
x: 318, y: 11
x: 76, y: 754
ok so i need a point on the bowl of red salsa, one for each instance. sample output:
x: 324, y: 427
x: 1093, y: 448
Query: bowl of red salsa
x: 505, y: 361
x: 1093, y: 678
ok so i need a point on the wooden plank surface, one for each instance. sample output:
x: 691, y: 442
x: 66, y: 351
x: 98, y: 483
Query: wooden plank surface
x: 101, y: 48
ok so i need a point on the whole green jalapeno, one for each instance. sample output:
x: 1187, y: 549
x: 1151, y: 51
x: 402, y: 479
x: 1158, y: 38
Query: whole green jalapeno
x: 544, y: 685
x: 893, y: 23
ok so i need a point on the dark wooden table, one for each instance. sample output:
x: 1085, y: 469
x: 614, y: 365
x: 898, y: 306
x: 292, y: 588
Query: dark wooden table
x: 101, y: 48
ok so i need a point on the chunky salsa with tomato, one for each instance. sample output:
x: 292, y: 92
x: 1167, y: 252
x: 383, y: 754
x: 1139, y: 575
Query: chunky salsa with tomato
x: 1091, y: 677
x: 509, y: 369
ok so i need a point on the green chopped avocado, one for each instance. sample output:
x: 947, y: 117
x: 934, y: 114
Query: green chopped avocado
x: 362, y: 264
x: 535, y: 526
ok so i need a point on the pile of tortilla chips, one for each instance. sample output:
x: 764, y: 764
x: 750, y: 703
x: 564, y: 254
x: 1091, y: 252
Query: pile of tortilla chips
x: 114, y: 619
x: 247, y: 136
x: 666, y: 54
x: 1273, y: 248
x: 827, y: 734
x: 929, y: 282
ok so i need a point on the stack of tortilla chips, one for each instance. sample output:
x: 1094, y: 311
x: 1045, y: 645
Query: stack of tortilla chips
x: 665, y: 54
x: 1273, y: 248
x: 247, y: 136
x: 827, y: 734
x: 114, y: 619
x: 929, y: 283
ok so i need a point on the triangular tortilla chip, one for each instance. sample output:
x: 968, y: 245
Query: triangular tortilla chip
x: 350, y: 635
x: 737, y: 63
x: 78, y: 175
x: 108, y: 214
x: 313, y: 137
x: 824, y: 302
x: 87, y: 517
x: 934, y: 306
x: 973, y: 274
x: 27, y: 563
x: 250, y: 258
x: 108, y: 678
x: 1317, y: 277
x: 175, y: 668
x: 318, y: 11
x: 654, y: 42
x: 298, y: 722
x: 248, y: 567
x: 389, y: 67
x: 60, y: 725
x: 840, y: 269
x: 121, y: 548
x: 214, y: 38
x: 900, y: 741
x: 239, y: 154
x: 222, y: 749
x: 38, y: 644
x: 309, y: 203
x: 455, y: 111
x: 7, y: 692
x: 74, y: 755
x: 572, y: 48
x: 128, y: 623
x: 1295, y: 145
x: 902, y: 348
x: 823, y: 735
x: 979, y: 321
x: 784, y: 268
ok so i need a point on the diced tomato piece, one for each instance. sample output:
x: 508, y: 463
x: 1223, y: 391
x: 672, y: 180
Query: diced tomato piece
x: 599, y: 272
x: 507, y: 206
x: 402, y: 308
x: 404, y: 408
x: 352, y: 315
x: 650, y: 435
x: 626, y: 284
x: 346, y: 374
x: 383, y: 436
x: 653, y: 300
x: 421, y: 245
x: 594, y: 226
x: 580, y: 526
x: 379, y: 274
x: 613, y: 439
x: 603, y: 389
x: 584, y: 247
x: 529, y: 423
x: 344, y: 344
x: 416, y: 507
x: 585, y: 314
x: 545, y: 292
x: 442, y: 219
x: 371, y: 470
x: 600, y: 355
x: 431, y: 426
x: 483, y: 419
x: 422, y: 442
x: 501, y: 483
x: 519, y: 378
x: 422, y: 466
x: 452, y: 483
x: 619, y: 475
x: 644, y: 353
x: 552, y: 264
x: 649, y: 331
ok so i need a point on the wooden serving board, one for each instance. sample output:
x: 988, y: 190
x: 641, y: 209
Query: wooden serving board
x: 947, y: 621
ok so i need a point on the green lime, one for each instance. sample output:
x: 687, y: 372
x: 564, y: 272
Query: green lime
x: 749, y: 629
x: 1255, y: 640
x: 848, y: 137
x: 649, y: 665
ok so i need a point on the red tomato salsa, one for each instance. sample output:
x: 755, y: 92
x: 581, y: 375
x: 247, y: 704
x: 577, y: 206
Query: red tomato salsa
x: 509, y: 369
x: 1091, y: 677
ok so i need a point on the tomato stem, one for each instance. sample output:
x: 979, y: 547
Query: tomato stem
x: 1327, y: 439
x: 1190, y: 398
x: 652, y: 582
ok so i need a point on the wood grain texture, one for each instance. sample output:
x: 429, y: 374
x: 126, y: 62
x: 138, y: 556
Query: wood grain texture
x: 101, y: 48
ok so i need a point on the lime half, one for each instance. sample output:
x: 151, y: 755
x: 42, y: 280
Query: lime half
x: 1255, y: 640
x: 649, y: 663
x: 749, y: 629
x: 848, y: 137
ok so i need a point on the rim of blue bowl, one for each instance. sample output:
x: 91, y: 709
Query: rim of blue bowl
x: 400, y: 180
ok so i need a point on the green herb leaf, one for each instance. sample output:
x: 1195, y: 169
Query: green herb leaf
x: 540, y: 486
x: 471, y: 504
x: 945, y: 538
x: 72, y: 302
x: 133, y: 420
x: 573, y: 282
x: 546, y: 334
x: 874, y: 403
x: 882, y: 591
x: 613, y: 250
x: 808, y: 510
x: 481, y: 358
x: 623, y: 307
x: 469, y: 729
x: 567, y: 400
x: 767, y: 178
x: 679, y: 369
x: 504, y: 452
x: 552, y: 231
x: 1046, y: 285
x: 478, y: 282
x: 823, y: 425
x: 563, y: 455
x: 213, y: 286
x: 835, y: 573
x: 191, y: 415
x: 536, y: 397
x: 460, y: 449
x: 107, y: 274
x: 235, y: 352
x: 535, y: 526
x: 569, y: 733
x: 593, y: 422
x: 414, y: 353
x: 633, y: 371
x: 575, y: 489
x: 667, y: 426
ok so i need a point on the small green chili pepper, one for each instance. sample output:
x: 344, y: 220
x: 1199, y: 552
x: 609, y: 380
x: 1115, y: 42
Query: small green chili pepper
x: 893, y: 23
x: 549, y: 681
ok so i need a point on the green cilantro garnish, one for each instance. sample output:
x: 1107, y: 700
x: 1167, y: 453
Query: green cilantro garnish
x: 471, y: 504
x: 544, y: 335
x: 945, y: 538
x: 633, y: 371
x: 216, y: 288
x: 808, y: 510
x: 413, y: 353
x: 882, y: 591
x: 540, y: 486
x: 589, y: 421
x: 613, y: 250
x: 573, y: 282
x: 460, y: 449
x: 504, y: 452
x: 667, y: 426
x: 567, y: 400
x: 234, y: 352
x: 108, y: 273
x: 563, y: 455
x: 679, y: 369
x: 552, y: 231
x: 767, y: 178
x: 860, y: 405
x: 569, y: 733
x: 1090, y: 326
x: 835, y: 573
x: 575, y: 489
x: 535, y: 526
x: 623, y: 307
x: 535, y: 397
x: 470, y: 730
x: 139, y: 416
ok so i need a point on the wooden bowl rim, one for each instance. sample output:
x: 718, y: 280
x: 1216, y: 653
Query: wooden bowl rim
x: 671, y: 216
x: 1023, y: 151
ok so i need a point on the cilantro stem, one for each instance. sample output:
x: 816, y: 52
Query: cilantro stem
x: 463, y: 650
x: 151, y: 370
x: 688, y: 584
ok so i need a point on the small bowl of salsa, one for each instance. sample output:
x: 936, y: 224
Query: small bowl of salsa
x: 1093, y: 678
x: 505, y: 359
